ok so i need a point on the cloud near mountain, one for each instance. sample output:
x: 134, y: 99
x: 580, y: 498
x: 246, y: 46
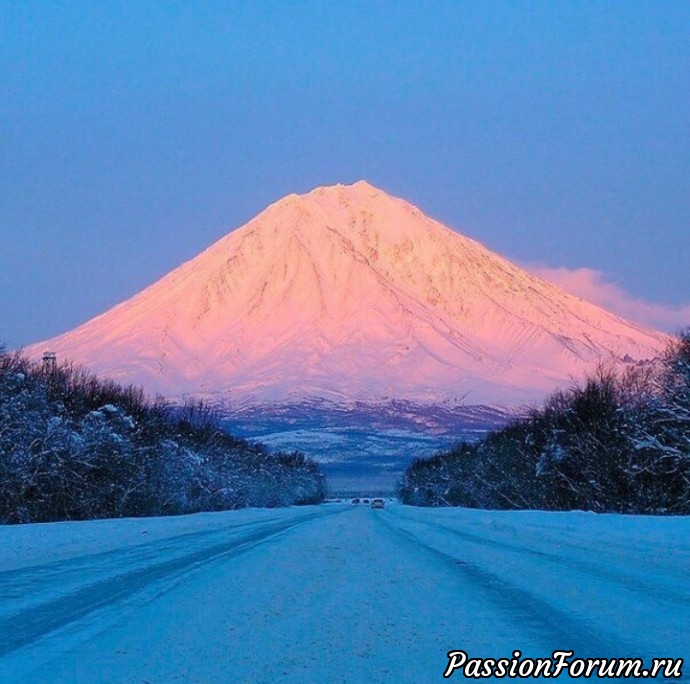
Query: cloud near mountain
x: 598, y: 288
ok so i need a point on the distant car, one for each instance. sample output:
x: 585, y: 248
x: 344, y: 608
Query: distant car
x: 378, y: 503
x: 366, y: 501
x: 355, y: 501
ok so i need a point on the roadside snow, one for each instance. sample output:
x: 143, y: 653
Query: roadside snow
x: 24, y: 545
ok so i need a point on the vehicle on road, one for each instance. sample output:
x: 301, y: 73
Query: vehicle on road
x: 378, y: 503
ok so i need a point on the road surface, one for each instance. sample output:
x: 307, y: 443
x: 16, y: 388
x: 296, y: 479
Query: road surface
x: 335, y: 593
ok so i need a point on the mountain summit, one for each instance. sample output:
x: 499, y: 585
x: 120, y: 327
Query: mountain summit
x: 348, y: 293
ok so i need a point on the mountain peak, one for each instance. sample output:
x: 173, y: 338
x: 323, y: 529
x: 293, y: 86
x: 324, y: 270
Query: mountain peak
x: 358, y: 186
x: 347, y: 292
x: 359, y: 192
x: 347, y: 210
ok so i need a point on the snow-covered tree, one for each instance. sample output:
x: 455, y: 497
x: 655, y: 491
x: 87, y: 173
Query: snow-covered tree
x: 75, y: 447
x: 619, y: 442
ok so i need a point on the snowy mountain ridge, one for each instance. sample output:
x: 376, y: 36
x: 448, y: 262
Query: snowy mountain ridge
x: 348, y: 294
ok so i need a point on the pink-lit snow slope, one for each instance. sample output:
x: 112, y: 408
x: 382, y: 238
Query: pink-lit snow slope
x: 348, y: 293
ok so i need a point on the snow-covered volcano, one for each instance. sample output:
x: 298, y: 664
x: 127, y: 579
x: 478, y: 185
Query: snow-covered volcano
x: 348, y: 293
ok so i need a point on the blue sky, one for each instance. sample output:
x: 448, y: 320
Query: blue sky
x: 134, y: 134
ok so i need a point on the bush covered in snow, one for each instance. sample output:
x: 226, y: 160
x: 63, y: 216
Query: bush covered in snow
x: 73, y: 446
x: 620, y: 442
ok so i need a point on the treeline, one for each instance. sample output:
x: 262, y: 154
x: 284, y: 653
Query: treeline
x: 618, y: 443
x: 75, y: 447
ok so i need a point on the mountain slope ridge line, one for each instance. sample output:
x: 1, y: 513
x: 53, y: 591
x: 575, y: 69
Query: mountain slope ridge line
x: 349, y: 294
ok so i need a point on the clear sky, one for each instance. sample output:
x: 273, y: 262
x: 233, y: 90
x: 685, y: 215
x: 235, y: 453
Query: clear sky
x: 134, y: 134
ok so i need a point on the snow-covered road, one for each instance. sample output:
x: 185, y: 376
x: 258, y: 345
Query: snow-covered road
x: 335, y: 593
